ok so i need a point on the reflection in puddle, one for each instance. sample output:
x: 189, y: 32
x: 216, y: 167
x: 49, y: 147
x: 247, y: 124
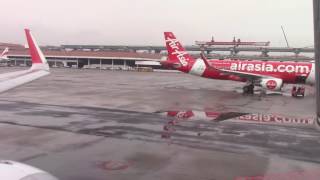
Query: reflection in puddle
x: 278, y: 119
x: 176, y: 117
x: 179, y: 116
x: 202, y: 115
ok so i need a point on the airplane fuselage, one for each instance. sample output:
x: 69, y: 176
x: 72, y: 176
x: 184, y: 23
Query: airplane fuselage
x: 289, y: 72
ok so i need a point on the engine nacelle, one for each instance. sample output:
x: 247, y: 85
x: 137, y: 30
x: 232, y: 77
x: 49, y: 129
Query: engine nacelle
x: 273, y: 84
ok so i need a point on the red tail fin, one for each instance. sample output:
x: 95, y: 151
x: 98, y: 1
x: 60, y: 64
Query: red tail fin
x: 35, y: 52
x: 176, y: 52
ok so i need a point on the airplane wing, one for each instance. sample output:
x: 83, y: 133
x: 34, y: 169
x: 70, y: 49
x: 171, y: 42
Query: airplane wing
x: 246, y: 75
x: 12, y: 170
x: 38, y: 69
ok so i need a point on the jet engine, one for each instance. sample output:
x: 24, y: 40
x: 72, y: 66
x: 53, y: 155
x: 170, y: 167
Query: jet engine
x: 273, y: 84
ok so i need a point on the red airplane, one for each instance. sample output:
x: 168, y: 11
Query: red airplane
x: 270, y: 75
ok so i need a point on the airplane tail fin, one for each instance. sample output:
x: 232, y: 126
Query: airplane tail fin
x: 5, y: 52
x: 176, y: 53
x: 37, y: 57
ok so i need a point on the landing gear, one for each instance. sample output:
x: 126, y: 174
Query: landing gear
x: 297, y: 91
x: 248, y: 89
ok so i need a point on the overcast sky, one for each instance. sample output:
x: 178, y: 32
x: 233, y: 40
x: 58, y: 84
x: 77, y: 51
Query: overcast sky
x: 141, y: 22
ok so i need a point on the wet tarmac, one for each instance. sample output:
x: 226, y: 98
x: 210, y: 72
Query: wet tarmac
x: 97, y: 125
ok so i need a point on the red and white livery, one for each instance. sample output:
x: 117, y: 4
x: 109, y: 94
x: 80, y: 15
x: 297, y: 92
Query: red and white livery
x: 270, y: 75
x: 4, y: 54
x: 38, y: 69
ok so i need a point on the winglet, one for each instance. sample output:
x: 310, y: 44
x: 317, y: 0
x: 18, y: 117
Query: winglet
x: 37, y: 57
x: 205, y: 60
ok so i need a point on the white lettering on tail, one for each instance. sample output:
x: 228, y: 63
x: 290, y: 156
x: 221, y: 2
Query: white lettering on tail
x: 174, y: 44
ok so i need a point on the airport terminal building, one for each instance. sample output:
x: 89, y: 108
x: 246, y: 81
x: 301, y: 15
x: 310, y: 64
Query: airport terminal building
x: 107, y: 59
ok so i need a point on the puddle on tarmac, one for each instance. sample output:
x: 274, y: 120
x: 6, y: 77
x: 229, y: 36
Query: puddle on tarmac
x: 178, y: 117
